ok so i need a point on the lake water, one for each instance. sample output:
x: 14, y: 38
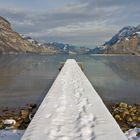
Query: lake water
x: 27, y: 78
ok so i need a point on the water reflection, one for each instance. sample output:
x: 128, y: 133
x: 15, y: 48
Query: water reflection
x: 27, y: 78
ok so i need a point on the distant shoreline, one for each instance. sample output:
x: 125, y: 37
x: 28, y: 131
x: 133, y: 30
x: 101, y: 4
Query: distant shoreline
x: 66, y: 54
x: 112, y: 55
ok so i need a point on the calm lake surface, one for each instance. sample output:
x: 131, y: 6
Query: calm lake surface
x: 27, y: 78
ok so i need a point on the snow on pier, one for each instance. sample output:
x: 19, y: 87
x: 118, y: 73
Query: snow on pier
x: 72, y: 110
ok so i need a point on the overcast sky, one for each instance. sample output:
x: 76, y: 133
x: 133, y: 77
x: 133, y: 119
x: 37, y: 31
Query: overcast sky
x: 79, y: 22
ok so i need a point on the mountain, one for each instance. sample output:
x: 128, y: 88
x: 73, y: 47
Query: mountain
x: 67, y: 48
x: 126, y: 41
x: 31, y: 40
x: 96, y: 50
x: 59, y: 47
x: 12, y: 42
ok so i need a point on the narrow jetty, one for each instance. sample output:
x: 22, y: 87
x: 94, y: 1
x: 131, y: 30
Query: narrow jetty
x: 73, y: 110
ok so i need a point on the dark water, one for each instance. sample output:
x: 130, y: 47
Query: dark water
x: 27, y: 78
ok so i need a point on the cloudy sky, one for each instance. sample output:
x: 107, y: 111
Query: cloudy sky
x: 79, y: 22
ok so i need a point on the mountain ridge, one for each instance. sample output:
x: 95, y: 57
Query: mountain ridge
x: 11, y: 42
x: 126, y: 41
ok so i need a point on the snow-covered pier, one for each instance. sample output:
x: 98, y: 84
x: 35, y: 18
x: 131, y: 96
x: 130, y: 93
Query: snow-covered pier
x: 73, y: 110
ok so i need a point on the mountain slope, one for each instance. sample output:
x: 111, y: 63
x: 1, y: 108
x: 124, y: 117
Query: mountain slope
x: 12, y: 42
x: 126, y: 41
x: 67, y: 48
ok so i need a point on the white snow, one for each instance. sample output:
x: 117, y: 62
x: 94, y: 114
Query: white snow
x: 9, y: 121
x: 11, y: 134
x: 72, y: 110
x: 119, y: 41
x: 31, y: 40
x: 132, y: 134
x: 137, y: 32
x: 127, y: 39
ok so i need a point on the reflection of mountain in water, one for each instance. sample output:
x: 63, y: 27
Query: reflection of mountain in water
x: 126, y: 67
x: 24, y: 78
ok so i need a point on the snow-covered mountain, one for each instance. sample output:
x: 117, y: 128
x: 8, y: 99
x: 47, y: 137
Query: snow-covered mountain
x: 32, y: 40
x: 63, y: 48
x: 126, y: 32
x: 96, y: 50
x: 59, y: 47
x: 67, y: 48
x: 126, y: 41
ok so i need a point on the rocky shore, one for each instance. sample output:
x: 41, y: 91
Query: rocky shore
x: 127, y: 116
x: 17, y: 118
